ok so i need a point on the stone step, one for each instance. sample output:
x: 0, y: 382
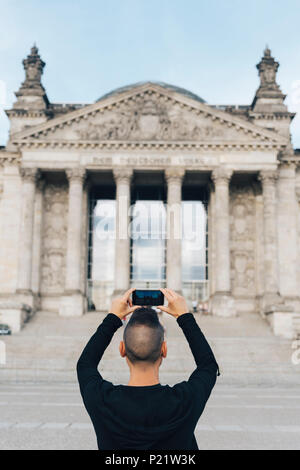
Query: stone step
x: 231, y: 378
x: 246, y: 350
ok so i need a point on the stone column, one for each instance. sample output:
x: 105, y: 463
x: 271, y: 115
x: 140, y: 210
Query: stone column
x: 271, y: 294
x: 222, y: 302
x: 29, y: 177
x: 37, y: 236
x: 174, y: 178
x: 73, y: 301
x: 122, y: 178
x: 74, y: 235
x: 287, y: 231
x: 211, y: 240
x: 259, y: 242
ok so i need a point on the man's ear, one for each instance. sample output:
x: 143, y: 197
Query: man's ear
x: 122, y: 349
x: 164, y: 349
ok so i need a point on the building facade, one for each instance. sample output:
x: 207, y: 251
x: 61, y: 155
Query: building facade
x: 71, y: 173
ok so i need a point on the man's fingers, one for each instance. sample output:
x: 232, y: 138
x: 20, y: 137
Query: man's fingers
x: 127, y: 293
x: 166, y: 294
x: 172, y: 293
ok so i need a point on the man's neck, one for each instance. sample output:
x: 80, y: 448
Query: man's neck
x: 140, y: 378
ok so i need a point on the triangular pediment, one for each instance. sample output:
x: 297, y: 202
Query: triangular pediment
x: 148, y: 113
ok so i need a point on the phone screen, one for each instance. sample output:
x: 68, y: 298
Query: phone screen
x: 147, y: 297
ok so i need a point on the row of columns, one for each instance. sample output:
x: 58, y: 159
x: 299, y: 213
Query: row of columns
x: 223, y: 303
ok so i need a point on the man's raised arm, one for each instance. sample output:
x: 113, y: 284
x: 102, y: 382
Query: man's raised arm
x: 87, y: 365
x: 204, y: 376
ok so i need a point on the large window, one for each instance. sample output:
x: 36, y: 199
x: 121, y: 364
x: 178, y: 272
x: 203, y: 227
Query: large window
x: 195, y: 250
x: 148, y: 244
x: 101, y: 256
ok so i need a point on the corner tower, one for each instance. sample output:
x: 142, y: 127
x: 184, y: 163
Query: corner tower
x: 268, y: 109
x: 32, y: 105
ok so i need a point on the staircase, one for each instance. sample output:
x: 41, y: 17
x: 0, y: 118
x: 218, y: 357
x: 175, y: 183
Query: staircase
x: 48, y: 347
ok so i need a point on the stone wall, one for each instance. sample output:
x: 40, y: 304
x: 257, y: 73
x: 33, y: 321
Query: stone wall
x: 10, y: 210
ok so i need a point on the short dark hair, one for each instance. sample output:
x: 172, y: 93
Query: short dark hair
x: 143, y: 336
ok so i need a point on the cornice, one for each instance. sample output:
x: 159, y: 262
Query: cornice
x: 11, y: 158
x: 153, y: 145
x: 15, y: 112
x: 272, y: 116
x: 288, y: 164
x: 288, y: 157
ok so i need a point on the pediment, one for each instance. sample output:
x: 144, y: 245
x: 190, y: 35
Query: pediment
x: 151, y: 114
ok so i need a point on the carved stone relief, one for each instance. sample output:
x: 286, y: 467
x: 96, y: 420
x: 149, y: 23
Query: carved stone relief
x: 54, y: 238
x: 242, y: 240
x: 148, y: 117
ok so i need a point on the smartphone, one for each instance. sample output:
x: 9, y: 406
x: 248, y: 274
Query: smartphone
x: 147, y: 297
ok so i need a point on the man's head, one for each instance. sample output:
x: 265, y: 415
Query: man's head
x: 143, y: 341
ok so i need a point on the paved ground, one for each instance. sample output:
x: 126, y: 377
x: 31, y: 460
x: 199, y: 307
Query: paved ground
x: 40, y: 416
x: 255, y: 404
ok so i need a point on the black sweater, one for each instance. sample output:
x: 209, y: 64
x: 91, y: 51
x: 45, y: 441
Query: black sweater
x: 146, y: 417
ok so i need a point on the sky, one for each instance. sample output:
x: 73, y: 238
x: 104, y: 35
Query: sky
x: 90, y: 47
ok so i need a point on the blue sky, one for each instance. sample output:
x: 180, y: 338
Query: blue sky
x: 210, y: 47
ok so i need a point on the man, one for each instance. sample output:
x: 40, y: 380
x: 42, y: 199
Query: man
x: 145, y: 414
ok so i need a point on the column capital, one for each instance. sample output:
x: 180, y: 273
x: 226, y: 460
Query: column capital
x: 221, y: 175
x: 76, y: 174
x: 122, y: 175
x: 30, y: 174
x: 268, y: 176
x: 174, y: 174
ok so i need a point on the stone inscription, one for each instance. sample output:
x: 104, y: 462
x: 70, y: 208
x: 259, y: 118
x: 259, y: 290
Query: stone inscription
x: 147, y: 161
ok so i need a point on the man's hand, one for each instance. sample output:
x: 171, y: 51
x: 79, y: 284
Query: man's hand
x: 122, y: 306
x: 176, y: 303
